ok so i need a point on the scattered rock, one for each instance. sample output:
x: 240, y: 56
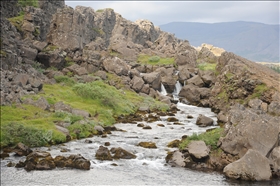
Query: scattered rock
x: 147, y: 145
x: 103, y: 153
x: 204, y: 121
x: 120, y: 153
x: 22, y: 150
x: 174, y: 143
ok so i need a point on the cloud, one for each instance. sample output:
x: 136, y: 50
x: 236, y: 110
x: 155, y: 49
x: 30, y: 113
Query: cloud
x: 162, y: 12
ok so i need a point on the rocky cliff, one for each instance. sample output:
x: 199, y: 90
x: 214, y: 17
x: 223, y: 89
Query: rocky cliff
x: 61, y: 41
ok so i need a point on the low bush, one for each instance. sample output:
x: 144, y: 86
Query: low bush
x: 207, y: 66
x: 64, y: 79
x: 154, y: 60
x: 210, y: 138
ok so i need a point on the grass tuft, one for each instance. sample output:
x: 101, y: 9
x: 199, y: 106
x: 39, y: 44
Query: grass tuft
x: 210, y: 138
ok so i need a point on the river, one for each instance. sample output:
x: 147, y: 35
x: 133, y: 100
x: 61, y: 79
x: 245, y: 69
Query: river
x: 149, y: 168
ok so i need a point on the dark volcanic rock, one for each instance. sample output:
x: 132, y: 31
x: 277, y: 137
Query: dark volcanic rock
x: 103, y: 153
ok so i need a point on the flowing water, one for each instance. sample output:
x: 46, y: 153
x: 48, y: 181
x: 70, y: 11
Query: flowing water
x: 149, y: 168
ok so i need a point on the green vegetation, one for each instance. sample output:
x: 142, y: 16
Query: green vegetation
x: 154, y: 60
x: 36, y: 127
x: 276, y: 68
x: 210, y: 138
x: 25, y: 3
x: 36, y: 32
x: 50, y: 48
x: 99, y: 31
x: 38, y: 66
x: 30, y: 125
x: 17, y: 21
x: 100, y: 10
x: 65, y: 80
x: 259, y: 91
x: 207, y: 66
x: 3, y: 53
x: 229, y: 76
x: 69, y: 61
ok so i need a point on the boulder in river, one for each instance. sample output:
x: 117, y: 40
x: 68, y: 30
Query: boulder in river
x: 204, y: 121
x: 252, y: 166
x: 22, y: 150
x: 120, y: 153
x: 198, y: 150
x: 103, y: 153
x: 150, y: 145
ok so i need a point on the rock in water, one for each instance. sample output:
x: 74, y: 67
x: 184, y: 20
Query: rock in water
x: 198, y: 150
x: 204, y: 121
x: 103, y: 153
x: 252, y: 166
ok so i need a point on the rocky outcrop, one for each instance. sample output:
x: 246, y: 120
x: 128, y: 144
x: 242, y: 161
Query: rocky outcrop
x: 252, y: 166
x: 245, y: 131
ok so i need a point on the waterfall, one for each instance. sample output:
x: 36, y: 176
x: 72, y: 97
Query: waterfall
x: 163, y: 91
x: 177, y: 90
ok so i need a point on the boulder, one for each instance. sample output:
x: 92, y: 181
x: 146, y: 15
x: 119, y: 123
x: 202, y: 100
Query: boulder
x: 196, y: 80
x: 177, y: 159
x: 60, y: 106
x: 22, y: 150
x: 274, y: 108
x: 153, y: 79
x: 79, y: 112
x: 253, y: 166
x: 150, y: 145
x: 245, y: 131
x: 204, y: 121
x: 116, y: 65
x: 198, y: 150
x: 78, y: 162
x: 51, y: 59
x: 120, y: 153
x: 39, y: 160
x: 275, y: 161
x: 103, y: 153
x: 191, y: 93
x: 174, y: 143
x: 137, y: 83
x: 21, y: 79
x: 101, y: 74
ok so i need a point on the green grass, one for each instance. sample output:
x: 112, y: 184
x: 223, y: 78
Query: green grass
x: 17, y: 21
x: 3, y: 53
x: 50, y: 48
x: 154, y: 60
x: 207, y: 66
x: 30, y: 125
x: 25, y: 3
x: 36, y: 127
x: 210, y: 138
x: 259, y: 91
x: 65, y: 80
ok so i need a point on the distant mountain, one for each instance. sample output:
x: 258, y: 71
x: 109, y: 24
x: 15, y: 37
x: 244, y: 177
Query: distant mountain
x: 254, y: 41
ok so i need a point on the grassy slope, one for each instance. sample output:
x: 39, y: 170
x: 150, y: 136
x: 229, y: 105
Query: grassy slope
x: 102, y: 101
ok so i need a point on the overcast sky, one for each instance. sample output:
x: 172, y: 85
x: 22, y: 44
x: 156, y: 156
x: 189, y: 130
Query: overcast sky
x: 162, y: 12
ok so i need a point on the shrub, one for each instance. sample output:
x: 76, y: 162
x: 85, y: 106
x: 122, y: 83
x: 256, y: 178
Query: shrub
x: 210, y: 138
x: 14, y: 133
x: 64, y: 79
x: 78, y: 131
x: 154, y: 59
x: 207, y: 66
x: 107, y: 95
x: 25, y: 3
